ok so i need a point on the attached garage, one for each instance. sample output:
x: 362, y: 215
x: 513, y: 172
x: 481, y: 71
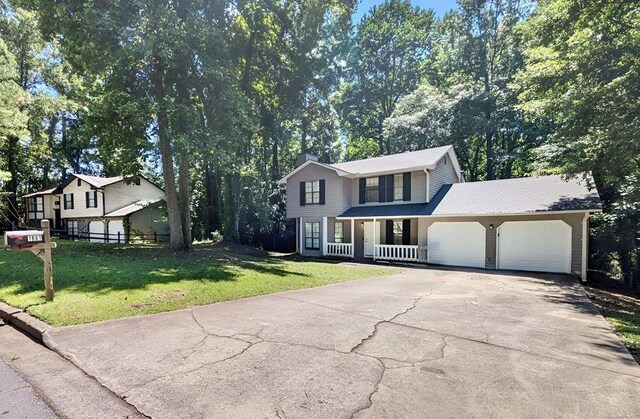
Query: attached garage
x: 542, y: 246
x: 116, y: 231
x: 96, y: 232
x: 457, y: 244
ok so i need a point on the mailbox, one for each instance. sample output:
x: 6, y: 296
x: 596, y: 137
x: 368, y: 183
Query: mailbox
x: 23, y: 238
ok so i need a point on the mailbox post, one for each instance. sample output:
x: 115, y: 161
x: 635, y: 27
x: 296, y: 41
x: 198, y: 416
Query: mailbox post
x: 39, y: 243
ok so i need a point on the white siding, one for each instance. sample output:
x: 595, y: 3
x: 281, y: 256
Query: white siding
x: 334, y: 196
x: 121, y: 194
x: 443, y: 174
x: 418, y: 191
x: 79, y: 205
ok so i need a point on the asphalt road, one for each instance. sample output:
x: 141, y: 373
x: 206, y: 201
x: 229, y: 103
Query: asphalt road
x: 436, y: 343
x: 17, y: 398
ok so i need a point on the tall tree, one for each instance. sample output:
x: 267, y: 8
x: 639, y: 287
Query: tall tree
x: 582, y: 74
x: 391, y: 43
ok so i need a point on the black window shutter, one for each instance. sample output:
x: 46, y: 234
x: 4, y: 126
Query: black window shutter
x: 363, y: 189
x: 381, y: 189
x: 86, y: 198
x: 389, y: 188
x: 389, y: 233
x: 406, y: 232
x: 95, y: 199
x: 303, y: 199
x: 406, y: 186
x: 72, y: 201
x: 322, y: 201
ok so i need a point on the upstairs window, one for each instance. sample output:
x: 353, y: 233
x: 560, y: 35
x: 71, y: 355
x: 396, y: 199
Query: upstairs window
x: 92, y: 199
x: 35, y: 204
x: 398, y: 187
x: 339, y: 232
x: 312, y: 192
x: 79, y: 182
x: 372, y: 190
x: 68, y: 201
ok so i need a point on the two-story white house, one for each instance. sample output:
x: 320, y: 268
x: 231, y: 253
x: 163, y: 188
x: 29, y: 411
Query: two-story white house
x: 101, y: 209
x: 417, y: 207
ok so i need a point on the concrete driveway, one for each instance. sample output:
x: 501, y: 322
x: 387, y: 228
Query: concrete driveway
x: 423, y: 343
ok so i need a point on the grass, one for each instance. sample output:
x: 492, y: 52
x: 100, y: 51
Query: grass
x: 623, y: 313
x: 96, y: 282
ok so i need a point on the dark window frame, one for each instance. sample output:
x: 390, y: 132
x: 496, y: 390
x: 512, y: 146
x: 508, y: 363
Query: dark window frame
x: 68, y: 199
x: 92, y: 199
x: 311, y: 195
x: 371, y: 191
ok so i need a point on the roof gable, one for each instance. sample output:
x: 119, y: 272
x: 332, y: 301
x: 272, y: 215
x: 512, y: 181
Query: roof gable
x: 339, y: 172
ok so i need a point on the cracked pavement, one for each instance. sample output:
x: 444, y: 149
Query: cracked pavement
x: 423, y: 342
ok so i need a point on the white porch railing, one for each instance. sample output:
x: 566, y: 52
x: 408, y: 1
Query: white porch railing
x: 396, y: 252
x: 340, y: 249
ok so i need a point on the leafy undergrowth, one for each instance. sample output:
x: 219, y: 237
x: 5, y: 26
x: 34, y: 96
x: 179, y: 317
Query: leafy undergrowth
x: 623, y: 312
x: 96, y: 282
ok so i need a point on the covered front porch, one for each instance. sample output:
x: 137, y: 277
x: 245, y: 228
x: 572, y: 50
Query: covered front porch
x: 393, y: 239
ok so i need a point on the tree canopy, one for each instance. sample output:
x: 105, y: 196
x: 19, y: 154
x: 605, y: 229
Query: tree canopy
x: 215, y: 99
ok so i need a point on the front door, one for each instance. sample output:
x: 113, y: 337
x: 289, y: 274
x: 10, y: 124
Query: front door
x: 369, y: 242
x: 57, y: 222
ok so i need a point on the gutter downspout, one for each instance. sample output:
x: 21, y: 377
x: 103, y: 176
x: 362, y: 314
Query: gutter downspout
x: 426, y: 171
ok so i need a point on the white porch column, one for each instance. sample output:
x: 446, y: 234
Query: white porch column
x: 374, y: 238
x: 297, y: 235
x: 353, y: 238
x: 301, y: 235
x: 325, y: 247
x: 585, y: 247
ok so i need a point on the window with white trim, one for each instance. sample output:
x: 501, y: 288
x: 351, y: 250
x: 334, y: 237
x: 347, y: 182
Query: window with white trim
x: 339, y: 232
x: 312, y: 192
x: 398, y: 187
x: 312, y: 236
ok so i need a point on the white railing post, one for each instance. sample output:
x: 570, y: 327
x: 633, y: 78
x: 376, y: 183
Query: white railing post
x: 324, y: 236
x: 408, y: 253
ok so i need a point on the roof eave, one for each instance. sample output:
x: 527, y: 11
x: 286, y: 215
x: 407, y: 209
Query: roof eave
x: 339, y: 172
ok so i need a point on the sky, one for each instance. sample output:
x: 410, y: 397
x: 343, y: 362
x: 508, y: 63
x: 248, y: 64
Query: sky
x: 439, y: 6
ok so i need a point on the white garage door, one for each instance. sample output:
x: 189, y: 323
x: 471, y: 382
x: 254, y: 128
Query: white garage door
x: 115, y: 227
x: 543, y: 246
x: 457, y: 244
x: 96, y: 232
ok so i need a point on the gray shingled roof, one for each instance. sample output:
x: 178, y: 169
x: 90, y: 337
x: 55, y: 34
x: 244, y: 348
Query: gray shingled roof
x: 508, y: 196
x: 97, y: 181
x: 394, y: 162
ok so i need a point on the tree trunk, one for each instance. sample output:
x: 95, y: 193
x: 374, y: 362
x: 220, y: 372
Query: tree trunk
x: 185, y: 207
x: 176, y: 237
x: 12, y: 184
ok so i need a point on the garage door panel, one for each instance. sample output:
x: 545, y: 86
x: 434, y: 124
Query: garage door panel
x: 96, y: 232
x: 543, y: 246
x: 115, y: 227
x: 457, y: 244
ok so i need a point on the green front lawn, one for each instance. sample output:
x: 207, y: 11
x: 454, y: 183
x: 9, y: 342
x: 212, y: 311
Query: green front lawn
x: 98, y: 282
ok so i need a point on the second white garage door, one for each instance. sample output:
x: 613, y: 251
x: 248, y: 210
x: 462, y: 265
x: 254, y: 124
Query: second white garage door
x: 457, y: 244
x: 542, y: 246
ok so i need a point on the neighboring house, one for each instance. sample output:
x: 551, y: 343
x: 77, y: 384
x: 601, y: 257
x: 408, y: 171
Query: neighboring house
x: 101, y: 209
x: 417, y: 207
